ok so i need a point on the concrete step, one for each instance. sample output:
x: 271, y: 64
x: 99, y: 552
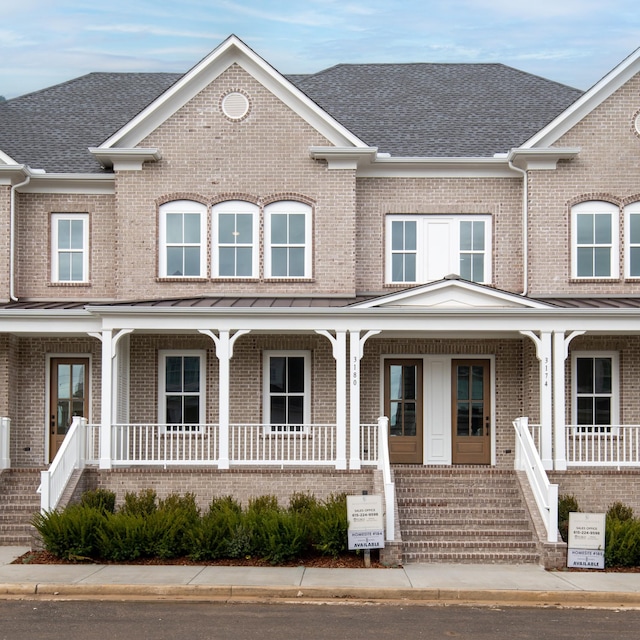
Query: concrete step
x: 470, y: 557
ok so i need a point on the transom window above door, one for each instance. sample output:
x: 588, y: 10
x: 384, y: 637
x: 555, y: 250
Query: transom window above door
x: 425, y: 248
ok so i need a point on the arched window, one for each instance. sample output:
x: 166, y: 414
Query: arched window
x: 594, y: 233
x: 288, y: 248
x: 183, y: 236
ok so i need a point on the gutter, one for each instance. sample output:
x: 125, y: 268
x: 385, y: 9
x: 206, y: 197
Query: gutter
x: 12, y: 234
x: 525, y: 226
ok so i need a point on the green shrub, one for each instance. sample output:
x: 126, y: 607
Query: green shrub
x: 123, y: 537
x: 70, y: 534
x: 622, y: 545
x: 330, y: 525
x: 140, y: 504
x: 281, y: 536
x: 225, y: 504
x: 566, y: 505
x: 304, y: 503
x: 102, y: 500
x: 211, y: 536
x: 619, y: 511
x: 263, y: 504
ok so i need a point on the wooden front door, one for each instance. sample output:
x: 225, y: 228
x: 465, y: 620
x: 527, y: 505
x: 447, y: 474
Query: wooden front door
x: 471, y: 411
x: 68, y: 397
x: 403, y: 405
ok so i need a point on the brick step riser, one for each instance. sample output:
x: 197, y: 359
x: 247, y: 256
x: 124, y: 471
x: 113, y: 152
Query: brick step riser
x: 16, y: 529
x: 15, y: 541
x: 468, y: 535
x: 470, y: 512
x: 470, y: 558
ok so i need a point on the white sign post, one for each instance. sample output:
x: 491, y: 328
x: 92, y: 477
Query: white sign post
x: 586, y: 540
x: 366, y: 522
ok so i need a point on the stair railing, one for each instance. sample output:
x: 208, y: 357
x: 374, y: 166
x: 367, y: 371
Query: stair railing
x: 545, y: 493
x: 70, y: 457
x: 384, y: 465
x: 5, y: 432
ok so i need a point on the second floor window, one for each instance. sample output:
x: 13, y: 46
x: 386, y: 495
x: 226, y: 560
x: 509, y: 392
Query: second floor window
x: 182, y: 239
x: 425, y: 248
x: 235, y: 231
x: 595, y: 240
x: 70, y: 247
x: 288, y: 240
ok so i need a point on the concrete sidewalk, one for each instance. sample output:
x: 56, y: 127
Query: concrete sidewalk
x: 433, y: 583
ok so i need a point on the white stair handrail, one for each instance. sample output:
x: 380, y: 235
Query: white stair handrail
x: 5, y: 442
x: 546, y: 494
x: 384, y: 465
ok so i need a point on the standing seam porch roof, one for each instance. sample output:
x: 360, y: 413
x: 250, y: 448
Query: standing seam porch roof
x: 406, y: 110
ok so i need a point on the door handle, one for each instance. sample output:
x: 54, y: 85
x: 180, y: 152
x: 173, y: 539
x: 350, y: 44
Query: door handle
x: 487, y: 425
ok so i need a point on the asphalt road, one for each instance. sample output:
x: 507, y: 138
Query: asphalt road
x: 43, y: 620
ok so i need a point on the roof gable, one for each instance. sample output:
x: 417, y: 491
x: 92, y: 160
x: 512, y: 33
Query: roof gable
x: 231, y: 51
x: 453, y: 293
x: 589, y: 101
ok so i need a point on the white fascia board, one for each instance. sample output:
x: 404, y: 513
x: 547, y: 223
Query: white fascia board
x: 231, y: 51
x: 344, y: 158
x: 13, y: 174
x: 584, y: 105
x: 5, y: 159
x: 72, y: 183
x: 383, y: 167
x: 48, y: 322
x: 541, y: 159
x: 129, y: 159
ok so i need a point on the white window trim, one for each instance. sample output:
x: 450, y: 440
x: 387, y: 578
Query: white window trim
x: 55, y: 249
x: 182, y: 206
x: 266, y: 391
x: 454, y: 249
x: 615, y: 387
x: 288, y: 206
x: 235, y: 206
x: 631, y: 209
x: 162, y: 402
x: 591, y: 207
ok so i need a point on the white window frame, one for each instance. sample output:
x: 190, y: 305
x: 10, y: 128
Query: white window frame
x: 288, y: 207
x: 629, y: 211
x: 184, y: 207
x: 56, y: 250
x: 613, y: 428
x: 266, y: 377
x: 235, y: 207
x: 162, y: 392
x: 455, y: 251
x: 591, y: 208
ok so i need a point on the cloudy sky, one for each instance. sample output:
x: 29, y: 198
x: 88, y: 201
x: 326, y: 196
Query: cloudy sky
x: 576, y: 42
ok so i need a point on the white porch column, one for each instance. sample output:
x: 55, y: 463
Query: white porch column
x: 339, y: 344
x: 106, y: 401
x: 543, y: 353
x: 224, y: 352
x: 560, y: 354
x: 356, y: 349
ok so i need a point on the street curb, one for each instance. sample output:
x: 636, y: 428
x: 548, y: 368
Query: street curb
x: 568, y: 598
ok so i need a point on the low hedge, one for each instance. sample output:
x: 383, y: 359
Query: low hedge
x: 145, y: 527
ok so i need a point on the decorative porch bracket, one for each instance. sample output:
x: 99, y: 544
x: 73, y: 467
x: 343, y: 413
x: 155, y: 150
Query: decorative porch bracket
x: 109, y: 342
x: 560, y: 354
x: 356, y: 351
x: 542, y: 343
x: 224, y: 351
x: 339, y: 344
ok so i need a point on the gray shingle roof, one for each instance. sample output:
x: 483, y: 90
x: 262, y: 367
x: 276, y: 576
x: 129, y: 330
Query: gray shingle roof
x: 419, y: 110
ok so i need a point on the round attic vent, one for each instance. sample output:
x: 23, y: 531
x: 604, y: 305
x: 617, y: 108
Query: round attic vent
x: 637, y: 123
x: 235, y: 105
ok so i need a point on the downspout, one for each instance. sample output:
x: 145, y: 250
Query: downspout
x: 12, y: 235
x: 525, y: 225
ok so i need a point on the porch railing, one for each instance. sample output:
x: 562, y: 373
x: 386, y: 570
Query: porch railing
x: 5, y: 433
x: 603, y: 446
x: 389, y: 487
x: 369, y: 437
x: 528, y: 460
x: 70, y: 456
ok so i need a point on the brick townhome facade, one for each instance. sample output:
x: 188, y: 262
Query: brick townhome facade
x: 260, y: 257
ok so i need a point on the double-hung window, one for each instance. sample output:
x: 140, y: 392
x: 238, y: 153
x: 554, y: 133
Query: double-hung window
x: 288, y: 240
x: 235, y: 240
x: 70, y: 247
x: 424, y: 248
x: 181, y: 390
x: 595, y: 240
x: 632, y: 226
x: 287, y: 390
x: 183, y: 235
x: 595, y: 390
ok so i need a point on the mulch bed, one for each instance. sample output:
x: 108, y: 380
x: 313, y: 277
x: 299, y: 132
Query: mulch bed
x: 347, y: 561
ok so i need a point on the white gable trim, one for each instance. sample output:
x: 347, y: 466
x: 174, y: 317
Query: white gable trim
x: 586, y: 103
x: 453, y: 294
x: 231, y: 51
x: 5, y: 159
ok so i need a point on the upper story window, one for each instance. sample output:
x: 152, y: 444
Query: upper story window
x: 288, y: 247
x: 595, y: 240
x: 235, y: 240
x: 70, y: 247
x: 632, y: 226
x: 183, y: 235
x: 424, y: 248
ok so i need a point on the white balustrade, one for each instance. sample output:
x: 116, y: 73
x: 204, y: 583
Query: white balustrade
x: 369, y: 444
x: 603, y: 446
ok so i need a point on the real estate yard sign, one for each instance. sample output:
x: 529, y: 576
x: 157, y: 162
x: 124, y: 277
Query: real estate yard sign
x: 366, y: 522
x: 586, y: 540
